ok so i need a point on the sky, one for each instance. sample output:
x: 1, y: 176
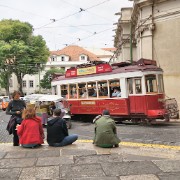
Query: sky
x: 86, y: 23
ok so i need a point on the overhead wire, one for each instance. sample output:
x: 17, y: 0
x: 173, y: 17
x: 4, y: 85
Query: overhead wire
x: 81, y: 10
x: 87, y: 11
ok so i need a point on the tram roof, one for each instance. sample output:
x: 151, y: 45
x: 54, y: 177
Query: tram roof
x: 117, y: 68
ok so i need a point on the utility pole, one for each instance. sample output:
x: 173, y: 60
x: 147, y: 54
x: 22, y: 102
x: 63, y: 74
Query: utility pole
x: 131, y: 48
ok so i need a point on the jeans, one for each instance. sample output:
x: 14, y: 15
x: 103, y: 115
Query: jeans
x: 66, y: 141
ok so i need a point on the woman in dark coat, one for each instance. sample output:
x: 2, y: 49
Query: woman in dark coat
x: 15, y: 108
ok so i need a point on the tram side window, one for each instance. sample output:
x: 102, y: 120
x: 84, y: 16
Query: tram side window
x: 92, y: 89
x: 64, y: 91
x: 73, y: 91
x: 160, y: 83
x: 102, y: 88
x: 115, y: 90
x: 130, y: 85
x: 82, y: 92
x: 138, y: 86
x: 151, y: 83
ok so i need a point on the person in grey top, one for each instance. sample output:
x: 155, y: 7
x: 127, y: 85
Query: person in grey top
x: 15, y: 108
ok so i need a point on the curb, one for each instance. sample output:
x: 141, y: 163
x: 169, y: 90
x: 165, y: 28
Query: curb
x: 130, y: 144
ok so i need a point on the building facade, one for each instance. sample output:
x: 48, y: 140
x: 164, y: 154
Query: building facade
x: 65, y: 58
x: 153, y: 27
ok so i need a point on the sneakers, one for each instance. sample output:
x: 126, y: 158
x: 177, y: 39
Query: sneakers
x: 116, y: 145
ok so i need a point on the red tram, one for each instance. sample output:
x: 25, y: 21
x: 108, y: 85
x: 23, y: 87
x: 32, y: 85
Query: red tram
x: 132, y: 92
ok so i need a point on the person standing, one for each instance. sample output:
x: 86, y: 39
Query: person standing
x: 57, y: 132
x: 105, y: 131
x: 30, y: 131
x: 15, y: 108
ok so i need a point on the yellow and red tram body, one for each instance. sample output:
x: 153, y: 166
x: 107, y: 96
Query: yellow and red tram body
x: 90, y: 87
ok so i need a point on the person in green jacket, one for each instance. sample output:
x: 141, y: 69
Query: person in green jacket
x: 105, y: 131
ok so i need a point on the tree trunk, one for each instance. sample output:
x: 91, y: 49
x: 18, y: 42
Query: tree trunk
x: 19, y: 80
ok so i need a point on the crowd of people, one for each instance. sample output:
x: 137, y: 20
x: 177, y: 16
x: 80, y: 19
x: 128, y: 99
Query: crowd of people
x: 28, y: 132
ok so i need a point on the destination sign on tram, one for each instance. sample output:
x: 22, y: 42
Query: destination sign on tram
x: 100, y: 68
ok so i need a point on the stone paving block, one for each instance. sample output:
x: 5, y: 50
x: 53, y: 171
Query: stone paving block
x: 2, y: 154
x: 77, y: 152
x: 16, y: 154
x: 83, y: 170
x: 140, y: 177
x: 43, y: 153
x: 50, y: 161
x: 14, y: 163
x: 8, y: 174
x: 37, y: 173
x: 132, y: 157
x: 97, y: 178
x: 97, y: 159
x: 167, y: 176
x: 130, y: 168
x: 168, y: 165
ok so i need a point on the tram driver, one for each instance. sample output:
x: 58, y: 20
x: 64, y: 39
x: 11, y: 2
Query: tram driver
x: 116, y: 92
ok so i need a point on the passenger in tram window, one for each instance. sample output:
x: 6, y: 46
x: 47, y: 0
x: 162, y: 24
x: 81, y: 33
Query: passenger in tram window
x: 105, y: 131
x: 73, y: 93
x: 84, y: 95
x: 116, y: 92
x: 138, y: 90
x: 104, y: 91
x: 57, y: 132
x: 95, y: 93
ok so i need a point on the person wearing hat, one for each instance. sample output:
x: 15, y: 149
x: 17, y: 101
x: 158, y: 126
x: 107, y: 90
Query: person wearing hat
x: 105, y: 131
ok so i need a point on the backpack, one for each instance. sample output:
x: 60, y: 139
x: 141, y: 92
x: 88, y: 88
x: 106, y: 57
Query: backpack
x: 11, y: 124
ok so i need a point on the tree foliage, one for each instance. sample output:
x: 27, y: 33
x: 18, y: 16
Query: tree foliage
x: 46, y: 81
x: 21, y: 52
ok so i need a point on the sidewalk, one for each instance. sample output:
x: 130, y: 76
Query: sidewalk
x: 84, y: 161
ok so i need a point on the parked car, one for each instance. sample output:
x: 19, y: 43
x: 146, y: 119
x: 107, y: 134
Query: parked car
x: 4, y: 101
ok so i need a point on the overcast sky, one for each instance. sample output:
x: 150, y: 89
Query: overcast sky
x: 87, y: 23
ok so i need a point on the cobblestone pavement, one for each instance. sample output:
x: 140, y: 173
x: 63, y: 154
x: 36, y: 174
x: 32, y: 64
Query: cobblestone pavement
x: 84, y: 161
x: 165, y: 134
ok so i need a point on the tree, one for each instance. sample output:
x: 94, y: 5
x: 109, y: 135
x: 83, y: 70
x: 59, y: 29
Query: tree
x: 21, y: 52
x: 46, y: 81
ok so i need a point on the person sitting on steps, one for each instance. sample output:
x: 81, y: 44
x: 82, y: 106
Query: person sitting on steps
x: 57, y: 131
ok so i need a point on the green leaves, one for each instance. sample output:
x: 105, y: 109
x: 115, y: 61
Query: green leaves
x: 46, y: 81
x: 18, y: 42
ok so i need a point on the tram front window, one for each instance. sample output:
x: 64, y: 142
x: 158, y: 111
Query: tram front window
x: 138, y: 86
x: 130, y: 85
x: 151, y: 83
x: 160, y: 83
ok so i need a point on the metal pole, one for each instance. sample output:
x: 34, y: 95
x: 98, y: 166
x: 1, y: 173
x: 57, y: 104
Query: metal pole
x: 39, y: 81
x: 131, y: 49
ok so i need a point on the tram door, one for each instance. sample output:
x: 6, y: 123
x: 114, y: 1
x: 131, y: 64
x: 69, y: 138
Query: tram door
x: 136, y: 99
